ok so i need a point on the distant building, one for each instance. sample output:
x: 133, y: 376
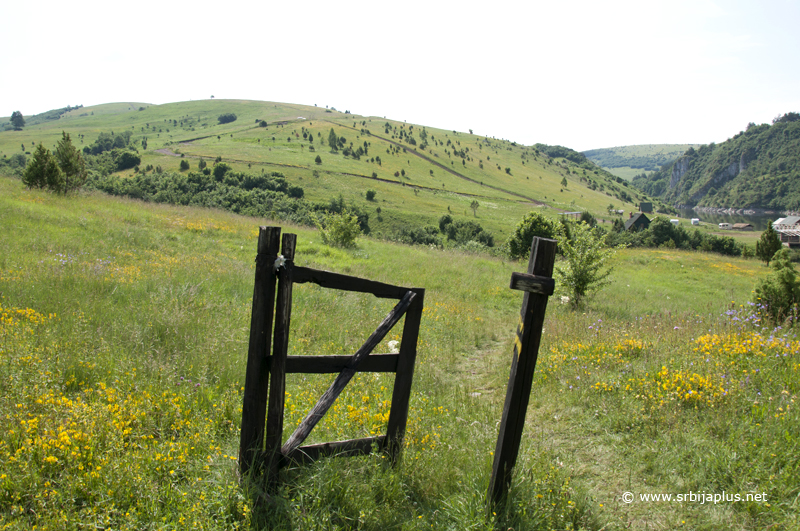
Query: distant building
x: 637, y: 222
x: 646, y: 207
x: 787, y: 223
x: 789, y: 230
x: 742, y: 226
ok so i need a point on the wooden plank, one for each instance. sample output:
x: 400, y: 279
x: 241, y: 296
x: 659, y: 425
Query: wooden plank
x: 334, y: 364
x: 280, y: 342
x: 327, y: 399
x: 526, y: 350
x: 327, y: 279
x: 398, y: 414
x: 256, y: 381
x: 353, y: 447
x: 532, y: 283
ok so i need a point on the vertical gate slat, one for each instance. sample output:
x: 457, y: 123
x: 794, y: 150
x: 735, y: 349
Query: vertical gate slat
x: 398, y: 415
x: 256, y: 383
x: 277, y: 388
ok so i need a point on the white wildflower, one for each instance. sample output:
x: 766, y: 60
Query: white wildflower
x: 393, y: 347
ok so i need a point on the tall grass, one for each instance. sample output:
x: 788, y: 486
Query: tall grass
x: 123, y: 340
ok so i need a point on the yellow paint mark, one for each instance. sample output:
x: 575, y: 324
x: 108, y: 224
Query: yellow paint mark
x: 518, y: 344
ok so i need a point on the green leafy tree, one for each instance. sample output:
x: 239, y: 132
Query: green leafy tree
x: 338, y: 230
x: 71, y: 163
x: 564, y: 182
x: 778, y: 295
x: 474, y: 206
x: 533, y: 224
x: 333, y: 140
x: 371, y: 195
x: 318, y: 160
x: 17, y: 120
x: 42, y: 171
x: 768, y: 244
x: 586, y: 268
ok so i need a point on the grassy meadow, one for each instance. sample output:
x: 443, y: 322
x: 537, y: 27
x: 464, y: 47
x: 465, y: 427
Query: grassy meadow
x: 123, y: 342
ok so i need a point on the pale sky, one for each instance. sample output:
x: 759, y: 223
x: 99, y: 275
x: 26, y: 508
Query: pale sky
x: 583, y: 74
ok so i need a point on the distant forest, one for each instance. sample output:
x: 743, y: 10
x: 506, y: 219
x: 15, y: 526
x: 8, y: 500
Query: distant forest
x: 757, y: 168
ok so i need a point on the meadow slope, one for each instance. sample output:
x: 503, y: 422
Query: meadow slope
x: 418, y: 173
x: 123, y: 339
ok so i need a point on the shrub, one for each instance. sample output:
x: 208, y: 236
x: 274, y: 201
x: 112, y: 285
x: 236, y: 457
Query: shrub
x: 126, y: 159
x: 462, y: 232
x: 184, y: 165
x: 371, y: 195
x: 778, y: 295
x: 226, y: 118
x: 586, y: 256
x: 318, y: 160
x: 533, y: 224
x: 338, y: 230
x: 220, y: 170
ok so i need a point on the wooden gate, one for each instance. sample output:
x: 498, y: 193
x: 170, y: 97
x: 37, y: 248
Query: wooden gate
x: 265, y: 381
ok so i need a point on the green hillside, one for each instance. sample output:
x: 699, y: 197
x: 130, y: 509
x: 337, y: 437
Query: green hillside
x: 629, y: 161
x: 124, y: 332
x: 417, y: 173
x: 757, y: 168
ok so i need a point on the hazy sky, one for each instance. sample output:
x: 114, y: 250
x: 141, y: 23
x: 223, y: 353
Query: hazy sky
x: 583, y: 74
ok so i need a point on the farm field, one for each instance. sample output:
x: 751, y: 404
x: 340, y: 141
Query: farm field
x: 123, y: 342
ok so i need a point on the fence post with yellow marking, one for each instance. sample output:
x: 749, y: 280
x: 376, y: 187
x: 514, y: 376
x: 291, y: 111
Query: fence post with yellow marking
x: 537, y: 285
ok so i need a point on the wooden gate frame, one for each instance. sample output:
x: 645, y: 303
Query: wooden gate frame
x: 265, y: 380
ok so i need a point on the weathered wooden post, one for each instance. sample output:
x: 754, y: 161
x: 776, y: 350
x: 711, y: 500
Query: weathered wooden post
x: 254, y: 405
x: 538, y: 285
x: 280, y: 346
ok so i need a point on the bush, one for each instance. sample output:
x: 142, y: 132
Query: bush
x: 226, y: 118
x: 533, y: 224
x: 126, y: 159
x: 777, y: 296
x: 586, y: 256
x: 184, y: 165
x: 371, y: 195
x: 462, y: 232
x: 428, y: 235
x: 338, y: 230
x: 220, y: 170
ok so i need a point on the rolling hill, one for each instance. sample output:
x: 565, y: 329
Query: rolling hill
x: 629, y: 161
x: 418, y: 173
